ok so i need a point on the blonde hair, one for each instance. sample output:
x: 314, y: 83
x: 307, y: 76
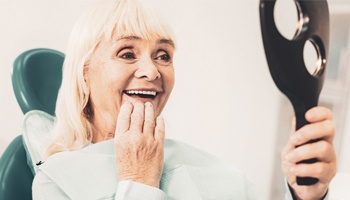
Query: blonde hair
x: 108, y: 20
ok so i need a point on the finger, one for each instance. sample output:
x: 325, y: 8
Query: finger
x: 320, y: 170
x: 123, y: 121
x: 318, y: 114
x: 137, y: 117
x: 289, y: 146
x: 291, y: 178
x: 321, y: 150
x: 149, y: 124
x: 294, y: 124
x: 287, y: 149
x: 159, y: 132
x: 319, y: 130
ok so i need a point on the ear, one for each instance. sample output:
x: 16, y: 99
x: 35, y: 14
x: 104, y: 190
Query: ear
x: 86, y: 75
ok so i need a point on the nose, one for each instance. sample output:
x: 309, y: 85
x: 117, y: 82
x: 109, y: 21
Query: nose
x: 147, y: 70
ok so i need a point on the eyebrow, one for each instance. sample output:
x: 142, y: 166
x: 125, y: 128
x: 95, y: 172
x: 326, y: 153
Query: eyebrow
x: 128, y: 38
x: 161, y: 41
x: 166, y: 41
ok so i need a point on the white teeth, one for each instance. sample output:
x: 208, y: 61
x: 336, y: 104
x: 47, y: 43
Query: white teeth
x: 131, y: 92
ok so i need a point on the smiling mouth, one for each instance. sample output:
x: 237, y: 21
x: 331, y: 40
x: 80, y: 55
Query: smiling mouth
x: 141, y: 94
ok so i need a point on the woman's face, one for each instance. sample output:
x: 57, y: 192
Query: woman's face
x: 128, y: 69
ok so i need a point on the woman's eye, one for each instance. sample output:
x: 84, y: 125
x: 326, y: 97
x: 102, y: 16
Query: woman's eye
x: 163, y: 57
x: 128, y: 56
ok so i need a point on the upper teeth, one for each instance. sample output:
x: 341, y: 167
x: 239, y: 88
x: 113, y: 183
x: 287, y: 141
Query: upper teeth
x: 141, y: 92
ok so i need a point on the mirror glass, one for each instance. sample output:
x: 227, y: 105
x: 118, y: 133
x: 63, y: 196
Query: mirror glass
x: 312, y: 57
x: 286, y: 16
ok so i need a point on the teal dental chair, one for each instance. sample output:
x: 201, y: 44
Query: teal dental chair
x: 36, y: 79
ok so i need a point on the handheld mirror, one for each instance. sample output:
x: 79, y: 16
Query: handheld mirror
x: 286, y: 60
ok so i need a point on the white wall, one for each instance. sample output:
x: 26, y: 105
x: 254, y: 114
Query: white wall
x: 25, y: 25
x: 341, y: 7
x: 224, y: 100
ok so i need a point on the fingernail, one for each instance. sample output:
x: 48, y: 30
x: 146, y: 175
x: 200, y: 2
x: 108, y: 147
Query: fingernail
x: 293, y: 169
x: 289, y: 157
x: 148, y: 104
x: 311, y: 114
x: 127, y: 103
x: 160, y: 117
x: 296, y: 138
x: 134, y: 101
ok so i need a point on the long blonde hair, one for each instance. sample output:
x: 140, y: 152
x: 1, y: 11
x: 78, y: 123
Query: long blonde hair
x: 108, y: 20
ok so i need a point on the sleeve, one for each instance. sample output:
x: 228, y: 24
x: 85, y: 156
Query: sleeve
x: 289, y: 195
x: 44, y: 188
x: 250, y: 190
x: 129, y: 190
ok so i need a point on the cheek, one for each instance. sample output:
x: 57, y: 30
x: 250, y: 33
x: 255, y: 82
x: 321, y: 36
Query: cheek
x: 169, y: 79
x: 108, y: 78
x: 103, y: 87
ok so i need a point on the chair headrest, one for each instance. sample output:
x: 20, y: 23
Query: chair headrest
x: 36, y: 79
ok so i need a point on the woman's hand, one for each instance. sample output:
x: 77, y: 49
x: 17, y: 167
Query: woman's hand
x: 320, y: 127
x: 139, y: 144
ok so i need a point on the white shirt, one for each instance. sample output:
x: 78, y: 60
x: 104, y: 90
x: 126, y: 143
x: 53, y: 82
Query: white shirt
x: 188, y: 174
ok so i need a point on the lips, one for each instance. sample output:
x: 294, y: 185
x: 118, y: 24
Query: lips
x: 147, y: 94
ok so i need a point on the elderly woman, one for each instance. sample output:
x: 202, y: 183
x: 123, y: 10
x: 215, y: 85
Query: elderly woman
x: 109, y: 136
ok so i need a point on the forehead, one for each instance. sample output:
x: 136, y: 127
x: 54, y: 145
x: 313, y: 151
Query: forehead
x: 159, y: 40
x: 143, y: 24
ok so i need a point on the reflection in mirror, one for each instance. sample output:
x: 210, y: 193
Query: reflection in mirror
x: 286, y: 15
x: 312, y: 57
